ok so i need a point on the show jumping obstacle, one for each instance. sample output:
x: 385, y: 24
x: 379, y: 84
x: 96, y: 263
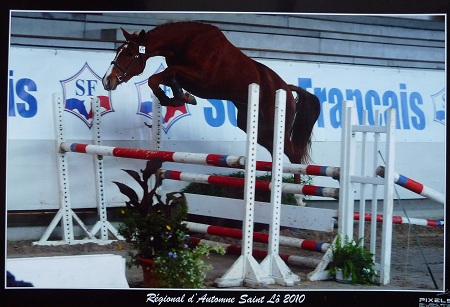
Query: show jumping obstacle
x: 238, y: 162
x: 414, y: 186
x: 246, y: 269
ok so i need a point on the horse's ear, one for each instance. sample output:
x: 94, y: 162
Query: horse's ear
x: 142, y: 36
x: 126, y: 34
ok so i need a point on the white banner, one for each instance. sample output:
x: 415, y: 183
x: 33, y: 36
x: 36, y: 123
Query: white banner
x: 418, y: 96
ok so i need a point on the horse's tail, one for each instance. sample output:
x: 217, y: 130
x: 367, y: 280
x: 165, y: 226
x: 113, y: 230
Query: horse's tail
x: 306, y: 114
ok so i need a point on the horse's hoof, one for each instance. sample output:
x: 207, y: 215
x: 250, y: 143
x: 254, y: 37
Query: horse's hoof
x: 190, y: 99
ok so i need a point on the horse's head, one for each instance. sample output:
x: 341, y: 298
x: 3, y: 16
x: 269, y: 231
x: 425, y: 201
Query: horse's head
x: 129, y: 61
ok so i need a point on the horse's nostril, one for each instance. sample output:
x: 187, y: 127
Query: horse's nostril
x: 106, y: 83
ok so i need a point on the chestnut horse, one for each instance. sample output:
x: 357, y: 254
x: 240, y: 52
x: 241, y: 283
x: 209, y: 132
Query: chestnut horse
x: 202, y: 61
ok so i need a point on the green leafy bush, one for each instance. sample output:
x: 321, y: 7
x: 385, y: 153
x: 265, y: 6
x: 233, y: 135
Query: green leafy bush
x: 184, y: 268
x: 158, y: 231
x: 355, y: 261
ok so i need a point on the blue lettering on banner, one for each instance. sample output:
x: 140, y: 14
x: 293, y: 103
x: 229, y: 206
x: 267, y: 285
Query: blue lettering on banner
x: 215, y: 116
x: 418, y: 121
x: 408, y: 105
x: 335, y: 98
x: 232, y: 116
x: 83, y: 85
x: 26, y: 106
x: 372, y: 99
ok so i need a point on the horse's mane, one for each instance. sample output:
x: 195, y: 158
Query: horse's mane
x: 167, y: 25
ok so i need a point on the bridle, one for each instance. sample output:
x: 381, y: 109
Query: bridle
x: 137, y: 57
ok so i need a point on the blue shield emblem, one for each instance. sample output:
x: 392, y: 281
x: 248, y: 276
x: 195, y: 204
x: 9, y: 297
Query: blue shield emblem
x: 80, y: 90
x: 170, y: 115
x: 439, y: 106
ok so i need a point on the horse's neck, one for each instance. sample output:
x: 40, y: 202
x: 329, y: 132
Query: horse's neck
x: 166, y: 38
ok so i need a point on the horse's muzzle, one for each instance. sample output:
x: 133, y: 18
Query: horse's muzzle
x: 110, y: 84
x: 106, y: 84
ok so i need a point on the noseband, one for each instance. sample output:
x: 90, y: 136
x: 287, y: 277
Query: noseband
x: 132, y: 63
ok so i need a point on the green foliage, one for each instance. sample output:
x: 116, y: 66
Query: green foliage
x: 184, y: 268
x: 156, y: 232
x: 231, y: 192
x: 152, y: 228
x: 355, y: 261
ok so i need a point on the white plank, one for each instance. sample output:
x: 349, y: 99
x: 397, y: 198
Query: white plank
x: 291, y: 216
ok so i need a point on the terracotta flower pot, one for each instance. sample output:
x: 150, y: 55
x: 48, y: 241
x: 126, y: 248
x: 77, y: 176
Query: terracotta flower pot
x: 147, y: 269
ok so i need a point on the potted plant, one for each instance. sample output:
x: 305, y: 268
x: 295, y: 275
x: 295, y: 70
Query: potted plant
x: 157, y: 232
x: 351, y: 262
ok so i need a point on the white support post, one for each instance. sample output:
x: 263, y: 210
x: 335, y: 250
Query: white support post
x: 388, y: 203
x: 388, y: 182
x: 373, y: 222
x: 273, y: 264
x: 246, y: 270
x: 346, y: 197
x: 362, y: 195
x: 320, y: 272
x: 65, y: 204
x: 102, y: 225
x: 156, y: 123
x: 98, y: 166
x: 65, y: 214
x: 156, y: 133
x: 346, y: 190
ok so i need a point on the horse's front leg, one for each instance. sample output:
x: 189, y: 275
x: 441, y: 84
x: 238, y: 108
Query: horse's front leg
x: 178, y: 92
x: 179, y: 98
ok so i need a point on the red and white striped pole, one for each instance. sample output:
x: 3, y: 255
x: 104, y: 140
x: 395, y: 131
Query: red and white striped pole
x: 234, y: 249
x: 401, y: 220
x: 414, y: 186
x: 257, y: 237
x: 239, y: 182
x: 144, y: 154
x: 196, y: 158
